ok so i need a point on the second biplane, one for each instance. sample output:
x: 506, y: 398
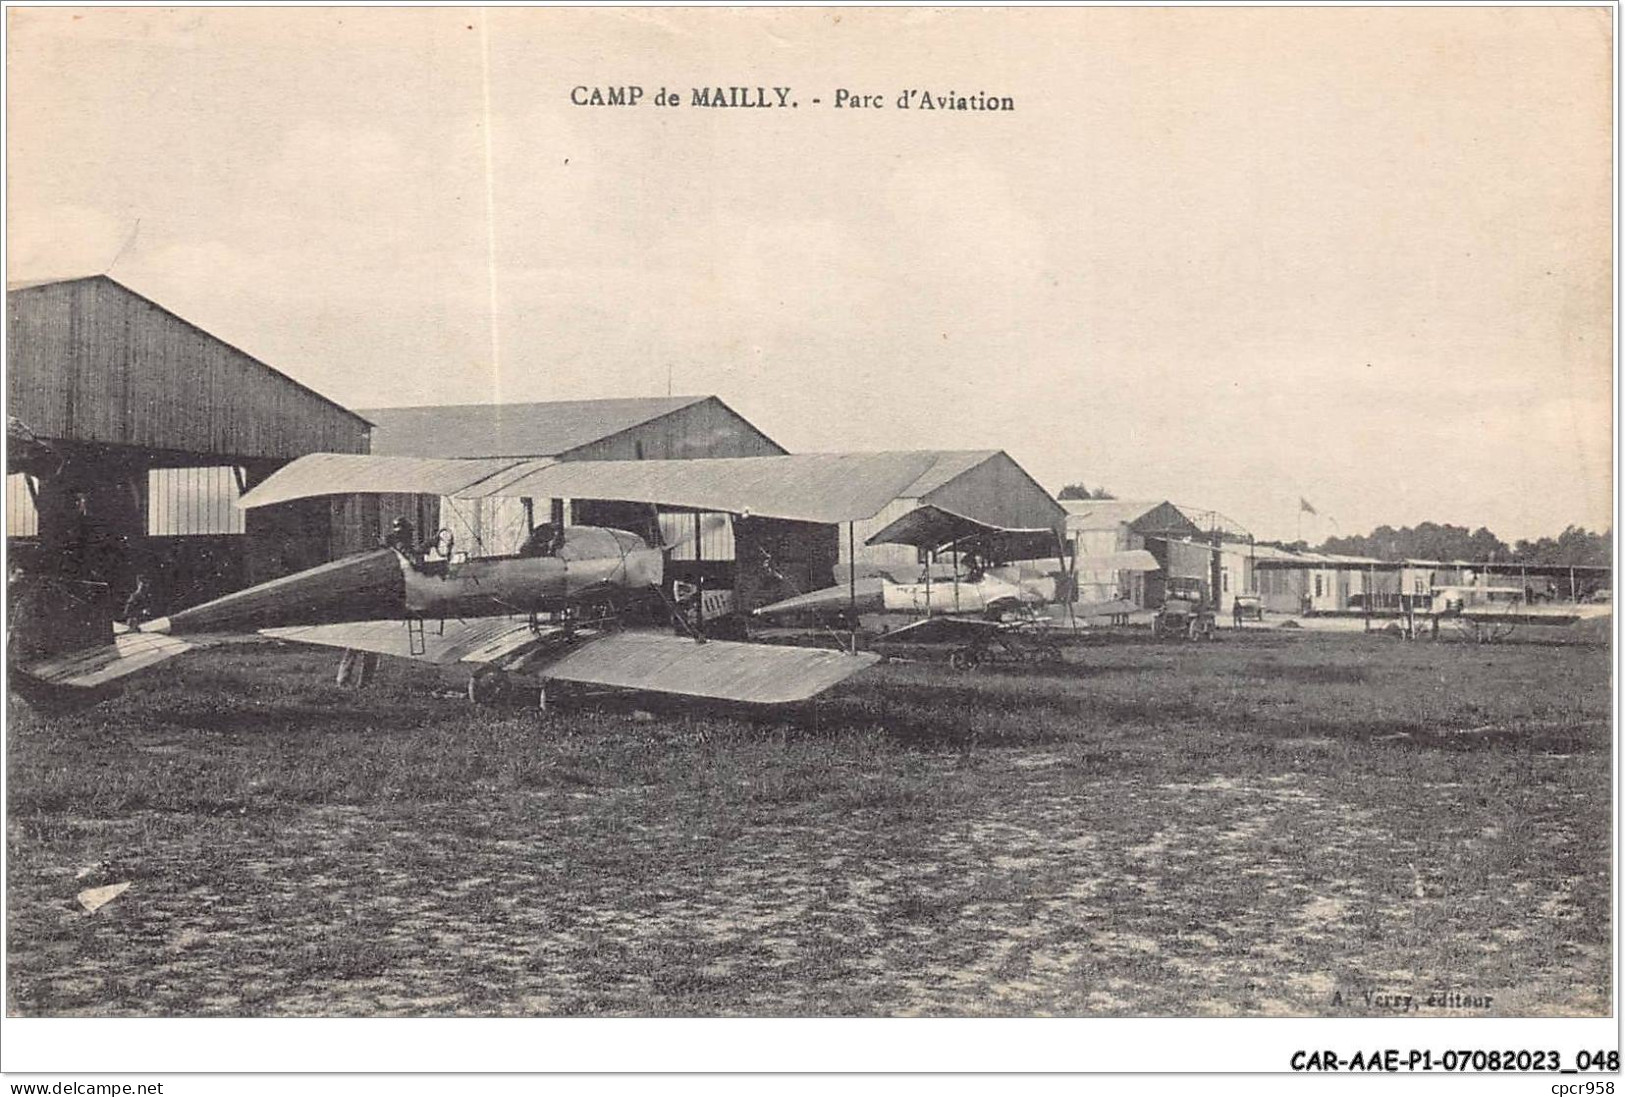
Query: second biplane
x: 991, y: 599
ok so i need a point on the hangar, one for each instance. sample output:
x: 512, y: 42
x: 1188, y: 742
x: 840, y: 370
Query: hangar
x: 669, y: 428
x: 141, y: 430
x: 763, y: 558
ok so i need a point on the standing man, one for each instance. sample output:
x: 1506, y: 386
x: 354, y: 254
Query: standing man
x: 400, y: 538
x: 1235, y: 612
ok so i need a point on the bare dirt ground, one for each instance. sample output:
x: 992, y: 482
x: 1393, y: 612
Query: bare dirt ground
x: 1271, y: 824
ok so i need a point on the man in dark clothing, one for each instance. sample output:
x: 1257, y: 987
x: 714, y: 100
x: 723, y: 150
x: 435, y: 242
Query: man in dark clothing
x: 400, y: 538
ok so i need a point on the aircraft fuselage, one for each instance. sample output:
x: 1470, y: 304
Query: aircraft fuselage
x: 518, y: 584
x: 386, y: 584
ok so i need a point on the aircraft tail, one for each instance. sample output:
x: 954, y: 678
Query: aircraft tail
x: 870, y: 598
x: 81, y: 678
x: 363, y: 587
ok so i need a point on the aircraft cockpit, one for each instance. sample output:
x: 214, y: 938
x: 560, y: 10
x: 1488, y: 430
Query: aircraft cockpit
x: 545, y: 540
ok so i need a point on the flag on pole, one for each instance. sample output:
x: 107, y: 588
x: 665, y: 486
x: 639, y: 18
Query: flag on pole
x: 1305, y: 505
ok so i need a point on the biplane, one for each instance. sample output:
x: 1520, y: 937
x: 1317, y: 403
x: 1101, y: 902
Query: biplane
x: 989, y: 603
x: 550, y: 614
x: 1489, y: 614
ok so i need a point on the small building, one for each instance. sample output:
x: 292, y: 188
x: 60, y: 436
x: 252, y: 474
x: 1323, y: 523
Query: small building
x: 142, y: 430
x: 1096, y: 527
x: 1334, y: 583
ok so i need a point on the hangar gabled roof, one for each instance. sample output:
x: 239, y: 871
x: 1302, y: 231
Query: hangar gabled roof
x: 544, y: 429
x: 24, y: 285
x: 946, y: 465
x: 1141, y: 516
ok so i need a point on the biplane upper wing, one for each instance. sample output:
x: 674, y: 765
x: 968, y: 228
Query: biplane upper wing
x: 717, y: 669
x: 929, y: 526
x: 1127, y: 560
x: 808, y: 487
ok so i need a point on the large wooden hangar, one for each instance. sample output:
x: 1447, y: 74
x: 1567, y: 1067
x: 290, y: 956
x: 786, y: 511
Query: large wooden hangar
x: 131, y: 432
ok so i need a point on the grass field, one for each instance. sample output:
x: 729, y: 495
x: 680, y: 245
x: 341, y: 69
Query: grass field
x: 1268, y: 824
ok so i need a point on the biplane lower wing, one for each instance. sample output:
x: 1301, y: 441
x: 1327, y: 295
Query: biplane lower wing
x: 717, y: 669
x: 1120, y: 607
x: 1530, y: 615
x: 947, y: 630
x: 481, y: 640
x: 647, y: 662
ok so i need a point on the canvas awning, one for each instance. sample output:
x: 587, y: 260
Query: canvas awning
x: 932, y: 527
x: 349, y: 473
x: 822, y: 487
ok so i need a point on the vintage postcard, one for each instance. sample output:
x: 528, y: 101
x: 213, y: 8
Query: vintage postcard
x: 813, y: 513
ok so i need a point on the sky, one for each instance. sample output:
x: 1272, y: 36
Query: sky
x: 1236, y: 258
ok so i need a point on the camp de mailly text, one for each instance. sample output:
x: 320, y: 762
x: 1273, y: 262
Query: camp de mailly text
x: 758, y: 97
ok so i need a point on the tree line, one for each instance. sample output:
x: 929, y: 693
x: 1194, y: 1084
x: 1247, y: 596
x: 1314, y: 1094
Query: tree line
x: 1575, y: 546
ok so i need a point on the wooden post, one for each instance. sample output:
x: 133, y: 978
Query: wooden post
x: 852, y: 579
x: 699, y: 579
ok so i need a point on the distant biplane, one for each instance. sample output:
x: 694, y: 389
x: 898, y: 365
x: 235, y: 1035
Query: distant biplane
x: 1488, y: 614
x: 990, y: 600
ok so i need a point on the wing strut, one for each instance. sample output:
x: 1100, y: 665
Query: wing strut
x: 852, y: 579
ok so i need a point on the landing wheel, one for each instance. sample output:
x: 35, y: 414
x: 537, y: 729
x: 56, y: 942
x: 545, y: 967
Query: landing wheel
x: 486, y: 685
x: 965, y: 659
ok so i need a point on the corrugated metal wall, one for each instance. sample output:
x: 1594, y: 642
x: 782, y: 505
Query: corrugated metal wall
x: 22, y: 519
x: 711, y: 539
x: 191, y: 502
x: 92, y: 361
